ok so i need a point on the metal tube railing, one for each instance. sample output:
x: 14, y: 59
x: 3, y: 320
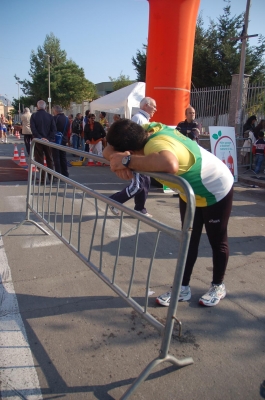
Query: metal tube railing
x: 70, y: 216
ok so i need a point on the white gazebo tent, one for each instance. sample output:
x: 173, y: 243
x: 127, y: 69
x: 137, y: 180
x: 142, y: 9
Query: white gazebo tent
x: 124, y: 101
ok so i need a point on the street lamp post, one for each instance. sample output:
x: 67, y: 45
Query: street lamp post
x: 49, y: 82
x: 18, y: 101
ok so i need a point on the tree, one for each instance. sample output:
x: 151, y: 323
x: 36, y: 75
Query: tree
x: 216, y: 56
x: 202, y: 58
x: 139, y: 62
x: 25, y: 101
x: 121, y: 81
x: 67, y: 80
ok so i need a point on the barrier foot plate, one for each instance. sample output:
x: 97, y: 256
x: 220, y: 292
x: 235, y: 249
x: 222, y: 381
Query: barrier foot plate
x: 144, y: 374
x: 25, y: 221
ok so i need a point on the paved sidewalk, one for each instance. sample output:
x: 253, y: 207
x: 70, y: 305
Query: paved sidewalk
x: 251, y: 179
x: 87, y: 344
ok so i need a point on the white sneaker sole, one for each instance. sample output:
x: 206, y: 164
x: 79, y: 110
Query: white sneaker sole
x: 114, y: 211
x: 162, y: 302
x: 165, y: 303
x: 208, y: 304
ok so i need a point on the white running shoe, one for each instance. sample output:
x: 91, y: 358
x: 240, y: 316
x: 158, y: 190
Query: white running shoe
x: 213, y: 296
x: 114, y: 210
x: 164, y: 299
x: 146, y: 214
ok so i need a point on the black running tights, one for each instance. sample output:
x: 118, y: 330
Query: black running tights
x: 215, y: 218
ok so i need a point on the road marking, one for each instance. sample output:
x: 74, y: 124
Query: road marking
x: 19, y: 379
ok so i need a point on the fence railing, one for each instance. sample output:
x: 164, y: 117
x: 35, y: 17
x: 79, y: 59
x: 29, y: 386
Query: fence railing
x: 255, y: 103
x: 78, y: 216
x: 211, y: 105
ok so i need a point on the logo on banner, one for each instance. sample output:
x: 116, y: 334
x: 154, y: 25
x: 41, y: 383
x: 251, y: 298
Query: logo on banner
x: 224, y: 147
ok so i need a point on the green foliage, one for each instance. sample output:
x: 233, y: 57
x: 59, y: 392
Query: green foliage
x: 25, y: 101
x: 121, y: 81
x: 139, y: 63
x: 67, y: 80
x: 216, y: 57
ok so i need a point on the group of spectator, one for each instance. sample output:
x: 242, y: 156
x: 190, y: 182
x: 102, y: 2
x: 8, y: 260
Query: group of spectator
x: 88, y: 133
x: 78, y: 132
x: 254, y: 143
x: 42, y: 125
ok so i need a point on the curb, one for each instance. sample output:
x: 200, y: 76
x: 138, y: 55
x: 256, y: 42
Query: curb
x: 252, y: 181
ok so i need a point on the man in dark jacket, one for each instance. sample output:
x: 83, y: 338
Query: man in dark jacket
x: 62, y: 125
x: 77, y: 131
x: 43, y: 127
x: 189, y: 127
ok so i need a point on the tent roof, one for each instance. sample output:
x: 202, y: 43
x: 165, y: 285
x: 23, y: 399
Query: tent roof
x: 121, y: 101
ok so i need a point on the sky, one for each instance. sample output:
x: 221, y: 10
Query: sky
x: 101, y: 36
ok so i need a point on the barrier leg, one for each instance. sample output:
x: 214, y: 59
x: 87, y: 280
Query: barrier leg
x: 144, y: 374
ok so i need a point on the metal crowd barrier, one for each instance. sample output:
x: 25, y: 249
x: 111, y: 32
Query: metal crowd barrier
x: 245, y: 156
x: 78, y: 216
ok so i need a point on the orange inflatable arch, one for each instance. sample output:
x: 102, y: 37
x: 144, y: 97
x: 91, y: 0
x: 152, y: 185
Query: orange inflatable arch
x: 171, y: 33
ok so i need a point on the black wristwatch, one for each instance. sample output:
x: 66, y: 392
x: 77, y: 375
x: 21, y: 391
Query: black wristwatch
x: 126, y: 161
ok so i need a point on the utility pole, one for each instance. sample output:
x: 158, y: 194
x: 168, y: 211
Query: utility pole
x: 49, y: 81
x: 244, y: 36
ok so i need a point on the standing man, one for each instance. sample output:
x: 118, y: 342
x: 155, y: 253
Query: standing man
x: 103, y: 120
x: 10, y: 122
x: 43, y: 127
x: 62, y: 125
x: 69, y: 133
x: 140, y: 184
x: 77, y: 129
x: 26, y: 131
x: 3, y: 122
x: 189, y: 127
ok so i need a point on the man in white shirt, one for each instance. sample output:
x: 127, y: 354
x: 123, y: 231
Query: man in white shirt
x: 140, y: 184
x: 147, y: 110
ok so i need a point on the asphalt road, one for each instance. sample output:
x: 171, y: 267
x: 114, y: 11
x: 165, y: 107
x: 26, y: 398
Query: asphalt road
x: 64, y: 333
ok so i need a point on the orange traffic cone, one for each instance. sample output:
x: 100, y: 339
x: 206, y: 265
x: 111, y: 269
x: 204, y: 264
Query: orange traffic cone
x: 33, y: 168
x: 45, y: 162
x: 90, y: 161
x: 18, y: 135
x: 16, y: 155
x: 23, y: 162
